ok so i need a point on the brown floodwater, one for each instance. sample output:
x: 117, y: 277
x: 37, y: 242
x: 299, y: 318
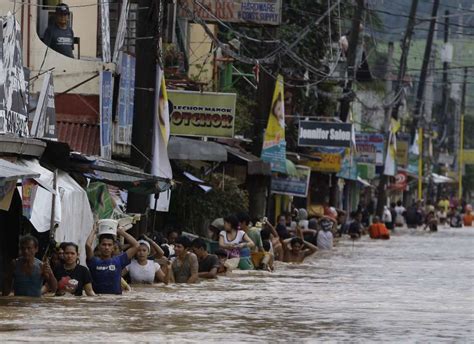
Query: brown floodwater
x: 416, y: 287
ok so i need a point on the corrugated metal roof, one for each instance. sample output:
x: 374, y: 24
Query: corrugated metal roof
x: 81, y: 133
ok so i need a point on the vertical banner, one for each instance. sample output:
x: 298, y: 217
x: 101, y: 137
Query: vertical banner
x: 28, y: 193
x: 13, y: 108
x: 105, y: 30
x: 121, y: 31
x: 160, y: 165
x: 44, y: 122
x: 106, y: 96
x: 274, y: 144
x: 126, y: 98
x: 390, y: 162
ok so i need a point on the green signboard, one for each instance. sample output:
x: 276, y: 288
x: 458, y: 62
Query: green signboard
x: 204, y: 114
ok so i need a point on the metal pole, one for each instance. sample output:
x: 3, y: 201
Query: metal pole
x: 461, y: 145
x: 420, y: 164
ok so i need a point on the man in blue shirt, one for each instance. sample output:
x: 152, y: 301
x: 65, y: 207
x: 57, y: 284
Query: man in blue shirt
x: 59, y: 35
x: 106, y: 269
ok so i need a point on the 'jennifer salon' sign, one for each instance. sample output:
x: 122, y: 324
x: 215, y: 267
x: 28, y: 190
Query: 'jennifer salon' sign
x: 202, y: 113
x: 326, y: 134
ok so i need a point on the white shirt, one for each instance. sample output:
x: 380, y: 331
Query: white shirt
x: 387, y: 216
x: 325, y: 240
x: 142, y: 273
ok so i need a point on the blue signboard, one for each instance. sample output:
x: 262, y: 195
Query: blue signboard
x: 106, y: 96
x: 125, y: 101
x: 294, y: 185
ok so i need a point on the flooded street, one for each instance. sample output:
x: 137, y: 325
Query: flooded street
x: 418, y: 286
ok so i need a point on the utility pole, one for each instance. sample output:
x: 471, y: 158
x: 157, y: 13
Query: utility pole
x: 351, y: 58
x: 444, y: 101
x: 406, y: 42
x: 461, y: 145
x: 421, y: 87
x: 146, y: 59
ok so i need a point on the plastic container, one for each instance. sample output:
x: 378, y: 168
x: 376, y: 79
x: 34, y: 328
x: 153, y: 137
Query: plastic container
x: 107, y: 226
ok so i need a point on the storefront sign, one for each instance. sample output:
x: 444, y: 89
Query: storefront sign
x: 204, y: 114
x: 125, y: 101
x: 266, y: 12
x: 326, y: 134
x: 106, y: 96
x: 328, y: 162
x: 297, y: 185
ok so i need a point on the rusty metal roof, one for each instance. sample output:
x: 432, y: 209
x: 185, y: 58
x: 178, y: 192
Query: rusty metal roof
x: 81, y: 133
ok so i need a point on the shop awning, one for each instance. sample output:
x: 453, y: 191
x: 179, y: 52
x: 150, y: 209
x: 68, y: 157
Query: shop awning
x: 364, y: 182
x: 119, y: 174
x: 439, y: 179
x: 255, y: 165
x: 180, y: 148
x: 10, y: 172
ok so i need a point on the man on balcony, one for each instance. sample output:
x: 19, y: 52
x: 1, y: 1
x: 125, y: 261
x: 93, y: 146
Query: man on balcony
x: 59, y: 35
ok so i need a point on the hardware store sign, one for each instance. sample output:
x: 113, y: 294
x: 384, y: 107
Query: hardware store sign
x: 266, y: 12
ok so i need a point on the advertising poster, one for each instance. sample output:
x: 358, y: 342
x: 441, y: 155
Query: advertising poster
x: 28, y: 193
x: 297, y: 185
x: 203, y: 114
x: 274, y: 144
x: 44, y: 123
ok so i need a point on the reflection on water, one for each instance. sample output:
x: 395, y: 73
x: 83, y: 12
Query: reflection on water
x: 418, y: 286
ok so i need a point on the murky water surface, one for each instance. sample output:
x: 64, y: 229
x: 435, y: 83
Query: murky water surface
x: 416, y: 287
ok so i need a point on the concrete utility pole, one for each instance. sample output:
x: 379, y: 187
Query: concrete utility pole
x: 146, y: 59
x: 424, y: 69
x: 443, y: 115
x: 351, y: 58
x: 382, y: 194
x: 461, y: 145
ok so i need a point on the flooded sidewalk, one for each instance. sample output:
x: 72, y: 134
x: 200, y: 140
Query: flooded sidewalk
x: 418, y: 286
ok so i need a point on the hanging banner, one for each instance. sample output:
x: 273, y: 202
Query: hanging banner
x: 326, y: 134
x: 203, y: 114
x: 370, y: 148
x: 106, y: 96
x: 274, y: 144
x: 28, y: 193
x: 403, y: 146
x: 348, y: 168
x: 13, y: 90
x: 6, y: 194
x: 296, y: 185
x: 126, y: 99
x: 44, y: 123
x: 105, y: 30
x: 160, y: 164
x: 261, y: 12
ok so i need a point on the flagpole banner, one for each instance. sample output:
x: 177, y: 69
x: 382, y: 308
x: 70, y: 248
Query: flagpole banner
x: 203, y: 114
x: 13, y: 90
x: 326, y: 134
x: 160, y: 163
x: 292, y: 185
x: 274, y: 144
x: 126, y: 98
x: 44, y: 122
x: 106, y: 96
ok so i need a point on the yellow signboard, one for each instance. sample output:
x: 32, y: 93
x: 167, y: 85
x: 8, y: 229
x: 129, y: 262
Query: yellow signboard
x: 468, y: 156
x: 330, y: 163
x: 402, y: 152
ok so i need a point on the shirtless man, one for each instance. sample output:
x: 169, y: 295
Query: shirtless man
x: 297, y: 249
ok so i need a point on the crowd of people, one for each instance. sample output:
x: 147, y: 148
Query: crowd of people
x: 117, y: 260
